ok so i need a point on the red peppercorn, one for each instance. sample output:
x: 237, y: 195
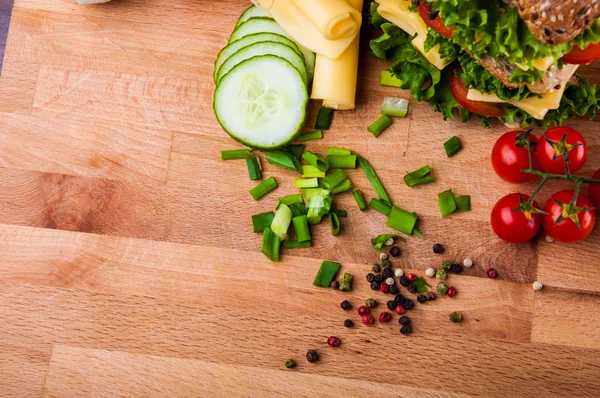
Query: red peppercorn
x: 400, y: 310
x: 363, y: 310
x: 491, y: 273
x: 367, y: 319
x: 412, y: 277
x: 451, y: 291
x: 384, y: 288
x: 385, y: 317
x: 334, y: 341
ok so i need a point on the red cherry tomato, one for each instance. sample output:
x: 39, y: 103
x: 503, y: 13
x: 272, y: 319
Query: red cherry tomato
x: 578, y: 56
x: 547, y: 152
x: 513, y: 226
x: 566, y: 230
x: 459, y: 91
x: 510, y: 156
x: 436, y: 23
x: 594, y: 192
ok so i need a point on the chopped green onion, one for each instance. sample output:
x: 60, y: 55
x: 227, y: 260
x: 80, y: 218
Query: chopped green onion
x: 291, y: 199
x: 346, y: 185
x: 301, y: 228
x: 387, y: 79
x: 254, y: 169
x: 270, y: 245
x: 380, y: 206
x: 298, y: 209
x: 262, y: 221
x: 379, y: 125
x: 333, y: 179
x: 263, y: 188
x: 342, y: 161
x: 281, y: 222
x: 235, y: 154
x: 360, y: 200
x: 334, y: 223
x: 447, y: 203
x: 401, y: 220
x: 318, y: 203
x: 378, y: 241
x: 340, y: 213
x: 452, y: 146
x: 315, y: 135
x: 316, y: 160
x: 283, y: 159
x: 373, y: 179
x: 294, y: 244
x: 418, y: 233
x: 326, y: 274
x: 324, y: 119
x: 310, y: 171
x: 306, y: 183
x: 463, y: 202
x: 338, y: 152
x: 418, y: 177
x: 297, y: 150
x: 394, y: 107
x: 308, y: 194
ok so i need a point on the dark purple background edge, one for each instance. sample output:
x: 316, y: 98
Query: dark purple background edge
x: 5, y: 13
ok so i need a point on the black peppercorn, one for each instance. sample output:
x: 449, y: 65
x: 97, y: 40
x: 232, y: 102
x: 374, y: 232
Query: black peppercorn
x: 370, y: 277
x: 335, y: 285
x: 399, y: 299
x: 411, y: 288
x: 406, y: 329
x: 376, y: 268
x: 421, y: 298
x: 345, y: 305
x: 375, y: 285
x: 404, y: 320
x: 391, y: 305
x: 394, y: 251
x: 378, y: 278
x: 394, y: 290
x: 430, y: 296
x: 386, y: 263
x: 438, y: 249
x: 404, y: 281
x: 387, y: 273
x: 408, y: 304
x: 348, y: 323
x: 456, y: 268
x: 312, y: 356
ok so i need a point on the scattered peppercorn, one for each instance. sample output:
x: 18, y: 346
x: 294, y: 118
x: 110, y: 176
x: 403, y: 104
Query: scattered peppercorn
x: 408, y: 304
x: 431, y: 296
x: 333, y: 341
x: 421, y: 298
x: 537, y: 286
x: 442, y: 288
x: 406, y: 329
x: 549, y: 239
x: 411, y: 288
x: 441, y: 274
x: 389, y: 242
x: 456, y: 317
x: 312, y: 356
x: 399, y: 299
x: 430, y: 272
x: 400, y: 310
x: 363, y: 310
x: 378, y: 278
x: 335, y: 285
x: 404, y: 320
x: 385, y: 317
x: 394, y: 290
x: 387, y: 273
x: 394, y: 251
x: 371, y: 303
x: 389, y: 281
x: 376, y: 268
x: 348, y: 323
x: 367, y: 319
x: 468, y: 263
x: 384, y: 288
x: 398, y: 273
x: 412, y: 277
x: 491, y: 273
x: 375, y: 285
x: 456, y: 268
x: 451, y: 291
x: 370, y: 277
x: 438, y: 248
x: 391, y: 305
x: 386, y: 263
x: 404, y: 281
x: 383, y: 256
x: 290, y: 363
x: 446, y: 265
x: 346, y: 282
x: 345, y: 305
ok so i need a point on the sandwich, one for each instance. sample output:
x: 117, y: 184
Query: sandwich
x: 515, y: 60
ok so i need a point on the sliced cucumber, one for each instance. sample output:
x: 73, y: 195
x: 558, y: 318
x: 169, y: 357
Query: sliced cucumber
x: 251, y: 12
x: 234, y: 47
x: 261, y: 25
x: 262, y: 102
x: 264, y: 48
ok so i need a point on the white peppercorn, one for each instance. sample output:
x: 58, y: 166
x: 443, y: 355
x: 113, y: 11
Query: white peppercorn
x: 537, y: 286
x: 398, y: 273
x: 468, y: 263
x: 430, y: 272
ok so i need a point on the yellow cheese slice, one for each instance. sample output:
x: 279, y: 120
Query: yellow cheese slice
x: 542, y: 64
x: 335, y: 79
x: 334, y: 19
x: 302, y: 30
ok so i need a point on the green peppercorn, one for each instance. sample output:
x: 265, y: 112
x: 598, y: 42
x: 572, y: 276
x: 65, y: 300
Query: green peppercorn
x: 376, y: 268
x: 441, y: 274
x: 371, y: 303
x: 446, y: 265
x: 456, y: 317
x: 430, y: 296
x: 312, y: 356
x: 442, y: 288
x: 346, y: 282
x: 290, y: 363
x: 386, y: 263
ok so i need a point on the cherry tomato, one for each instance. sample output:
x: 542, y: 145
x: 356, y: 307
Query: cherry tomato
x: 510, y: 156
x: 547, y: 152
x: 578, y: 56
x: 594, y: 192
x: 459, y: 91
x: 436, y: 23
x: 513, y: 226
x: 566, y: 230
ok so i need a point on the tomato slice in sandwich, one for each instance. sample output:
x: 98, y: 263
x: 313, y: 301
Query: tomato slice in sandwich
x: 579, y: 56
x: 434, y: 21
x: 460, y: 91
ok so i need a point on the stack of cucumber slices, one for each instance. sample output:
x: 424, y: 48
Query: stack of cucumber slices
x: 262, y: 79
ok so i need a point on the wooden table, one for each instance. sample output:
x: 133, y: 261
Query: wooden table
x: 127, y: 262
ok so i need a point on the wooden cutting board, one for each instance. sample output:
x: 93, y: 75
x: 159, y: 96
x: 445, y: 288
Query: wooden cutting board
x: 127, y: 262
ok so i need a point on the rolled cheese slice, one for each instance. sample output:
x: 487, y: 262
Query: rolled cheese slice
x: 335, y: 19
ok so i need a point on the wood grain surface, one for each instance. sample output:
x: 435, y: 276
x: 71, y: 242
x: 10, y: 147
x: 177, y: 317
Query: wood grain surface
x: 128, y: 266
